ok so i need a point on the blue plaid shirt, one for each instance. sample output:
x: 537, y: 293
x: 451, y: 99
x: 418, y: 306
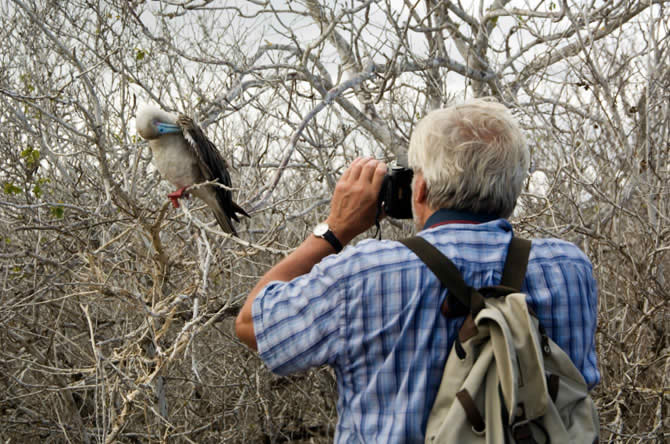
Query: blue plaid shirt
x: 372, y: 312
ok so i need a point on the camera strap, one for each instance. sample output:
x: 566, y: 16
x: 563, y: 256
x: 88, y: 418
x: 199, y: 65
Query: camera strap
x: 378, y: 233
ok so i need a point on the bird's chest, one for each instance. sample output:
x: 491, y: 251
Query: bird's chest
x: 175, y: 162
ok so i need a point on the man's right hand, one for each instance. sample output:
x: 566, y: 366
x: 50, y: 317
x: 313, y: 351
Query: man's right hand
x: 353, y: 208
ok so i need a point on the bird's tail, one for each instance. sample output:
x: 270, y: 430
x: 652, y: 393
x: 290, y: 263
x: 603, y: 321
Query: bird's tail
x: 224, y: 222
x: 222, y: 214
x: 238, y: 209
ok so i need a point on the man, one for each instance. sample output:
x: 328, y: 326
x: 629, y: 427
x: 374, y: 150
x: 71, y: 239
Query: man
x: 372, y: 311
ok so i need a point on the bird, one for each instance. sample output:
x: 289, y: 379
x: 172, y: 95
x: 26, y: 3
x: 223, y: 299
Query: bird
x: 184, y: 156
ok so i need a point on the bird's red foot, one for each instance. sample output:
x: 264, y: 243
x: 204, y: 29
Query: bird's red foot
x: 176, y: 195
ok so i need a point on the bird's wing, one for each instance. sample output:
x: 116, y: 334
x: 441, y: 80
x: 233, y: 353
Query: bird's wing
x: 212, y: 165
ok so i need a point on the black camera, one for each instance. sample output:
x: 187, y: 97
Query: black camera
x: 395, y: 197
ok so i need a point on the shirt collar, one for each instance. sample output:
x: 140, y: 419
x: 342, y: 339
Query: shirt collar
x: 445, y: 216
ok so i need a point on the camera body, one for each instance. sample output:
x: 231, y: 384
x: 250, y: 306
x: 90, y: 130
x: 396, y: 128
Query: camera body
x: 395, y: 196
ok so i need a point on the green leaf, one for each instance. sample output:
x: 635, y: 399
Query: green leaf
x: 57, y: 212
x: 140, y: 54
x: 25, y: 78
x: 12, y: 189
x: 31, y: 156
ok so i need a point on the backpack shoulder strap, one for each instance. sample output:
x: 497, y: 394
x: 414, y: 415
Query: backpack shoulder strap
x: 516, y: 263
x: 461, y: 300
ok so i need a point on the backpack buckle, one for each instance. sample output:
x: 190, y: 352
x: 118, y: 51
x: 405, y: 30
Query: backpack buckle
x: 521, y: 431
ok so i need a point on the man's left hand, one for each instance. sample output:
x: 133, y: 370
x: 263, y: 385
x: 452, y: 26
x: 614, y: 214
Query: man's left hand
x: 353, y: 207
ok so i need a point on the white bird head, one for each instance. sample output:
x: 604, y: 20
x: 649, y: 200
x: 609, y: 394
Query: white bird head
x: 152, y: 122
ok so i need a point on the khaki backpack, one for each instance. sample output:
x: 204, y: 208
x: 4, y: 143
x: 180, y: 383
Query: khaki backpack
x: 505, y: 380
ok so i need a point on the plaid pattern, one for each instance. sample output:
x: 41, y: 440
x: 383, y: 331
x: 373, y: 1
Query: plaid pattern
x: 373, y: 313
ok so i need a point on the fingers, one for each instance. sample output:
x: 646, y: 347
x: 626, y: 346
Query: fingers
x: 378, y: 175
x: 356, y: 167
x: 347, y: 173
x: 366, y: 169
x: 373, y: 172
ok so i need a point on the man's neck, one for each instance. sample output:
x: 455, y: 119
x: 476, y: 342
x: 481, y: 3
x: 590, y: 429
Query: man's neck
x: 445, y: 216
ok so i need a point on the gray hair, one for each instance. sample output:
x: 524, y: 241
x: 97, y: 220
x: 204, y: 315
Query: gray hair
x: 473, y: 157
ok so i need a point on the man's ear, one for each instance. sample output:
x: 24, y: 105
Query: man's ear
x: 420, y: 192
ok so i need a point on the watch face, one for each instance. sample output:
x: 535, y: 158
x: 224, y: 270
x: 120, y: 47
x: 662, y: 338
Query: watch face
x: 321, y: 229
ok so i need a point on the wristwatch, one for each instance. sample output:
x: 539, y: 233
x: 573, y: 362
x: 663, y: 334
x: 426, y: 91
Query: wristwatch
x: 324, y: 232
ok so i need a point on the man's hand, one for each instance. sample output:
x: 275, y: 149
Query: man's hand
x: 354, y: 204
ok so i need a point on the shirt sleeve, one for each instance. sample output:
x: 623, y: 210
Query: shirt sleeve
x: 299, y: 324
x: 582, y: 319
x: 590, y: 365
x: 564, y: 294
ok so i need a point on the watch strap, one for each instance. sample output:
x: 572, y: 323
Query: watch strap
x: 333, y: 240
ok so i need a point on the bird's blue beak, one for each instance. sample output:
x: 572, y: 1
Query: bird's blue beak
x: 167, y: 128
